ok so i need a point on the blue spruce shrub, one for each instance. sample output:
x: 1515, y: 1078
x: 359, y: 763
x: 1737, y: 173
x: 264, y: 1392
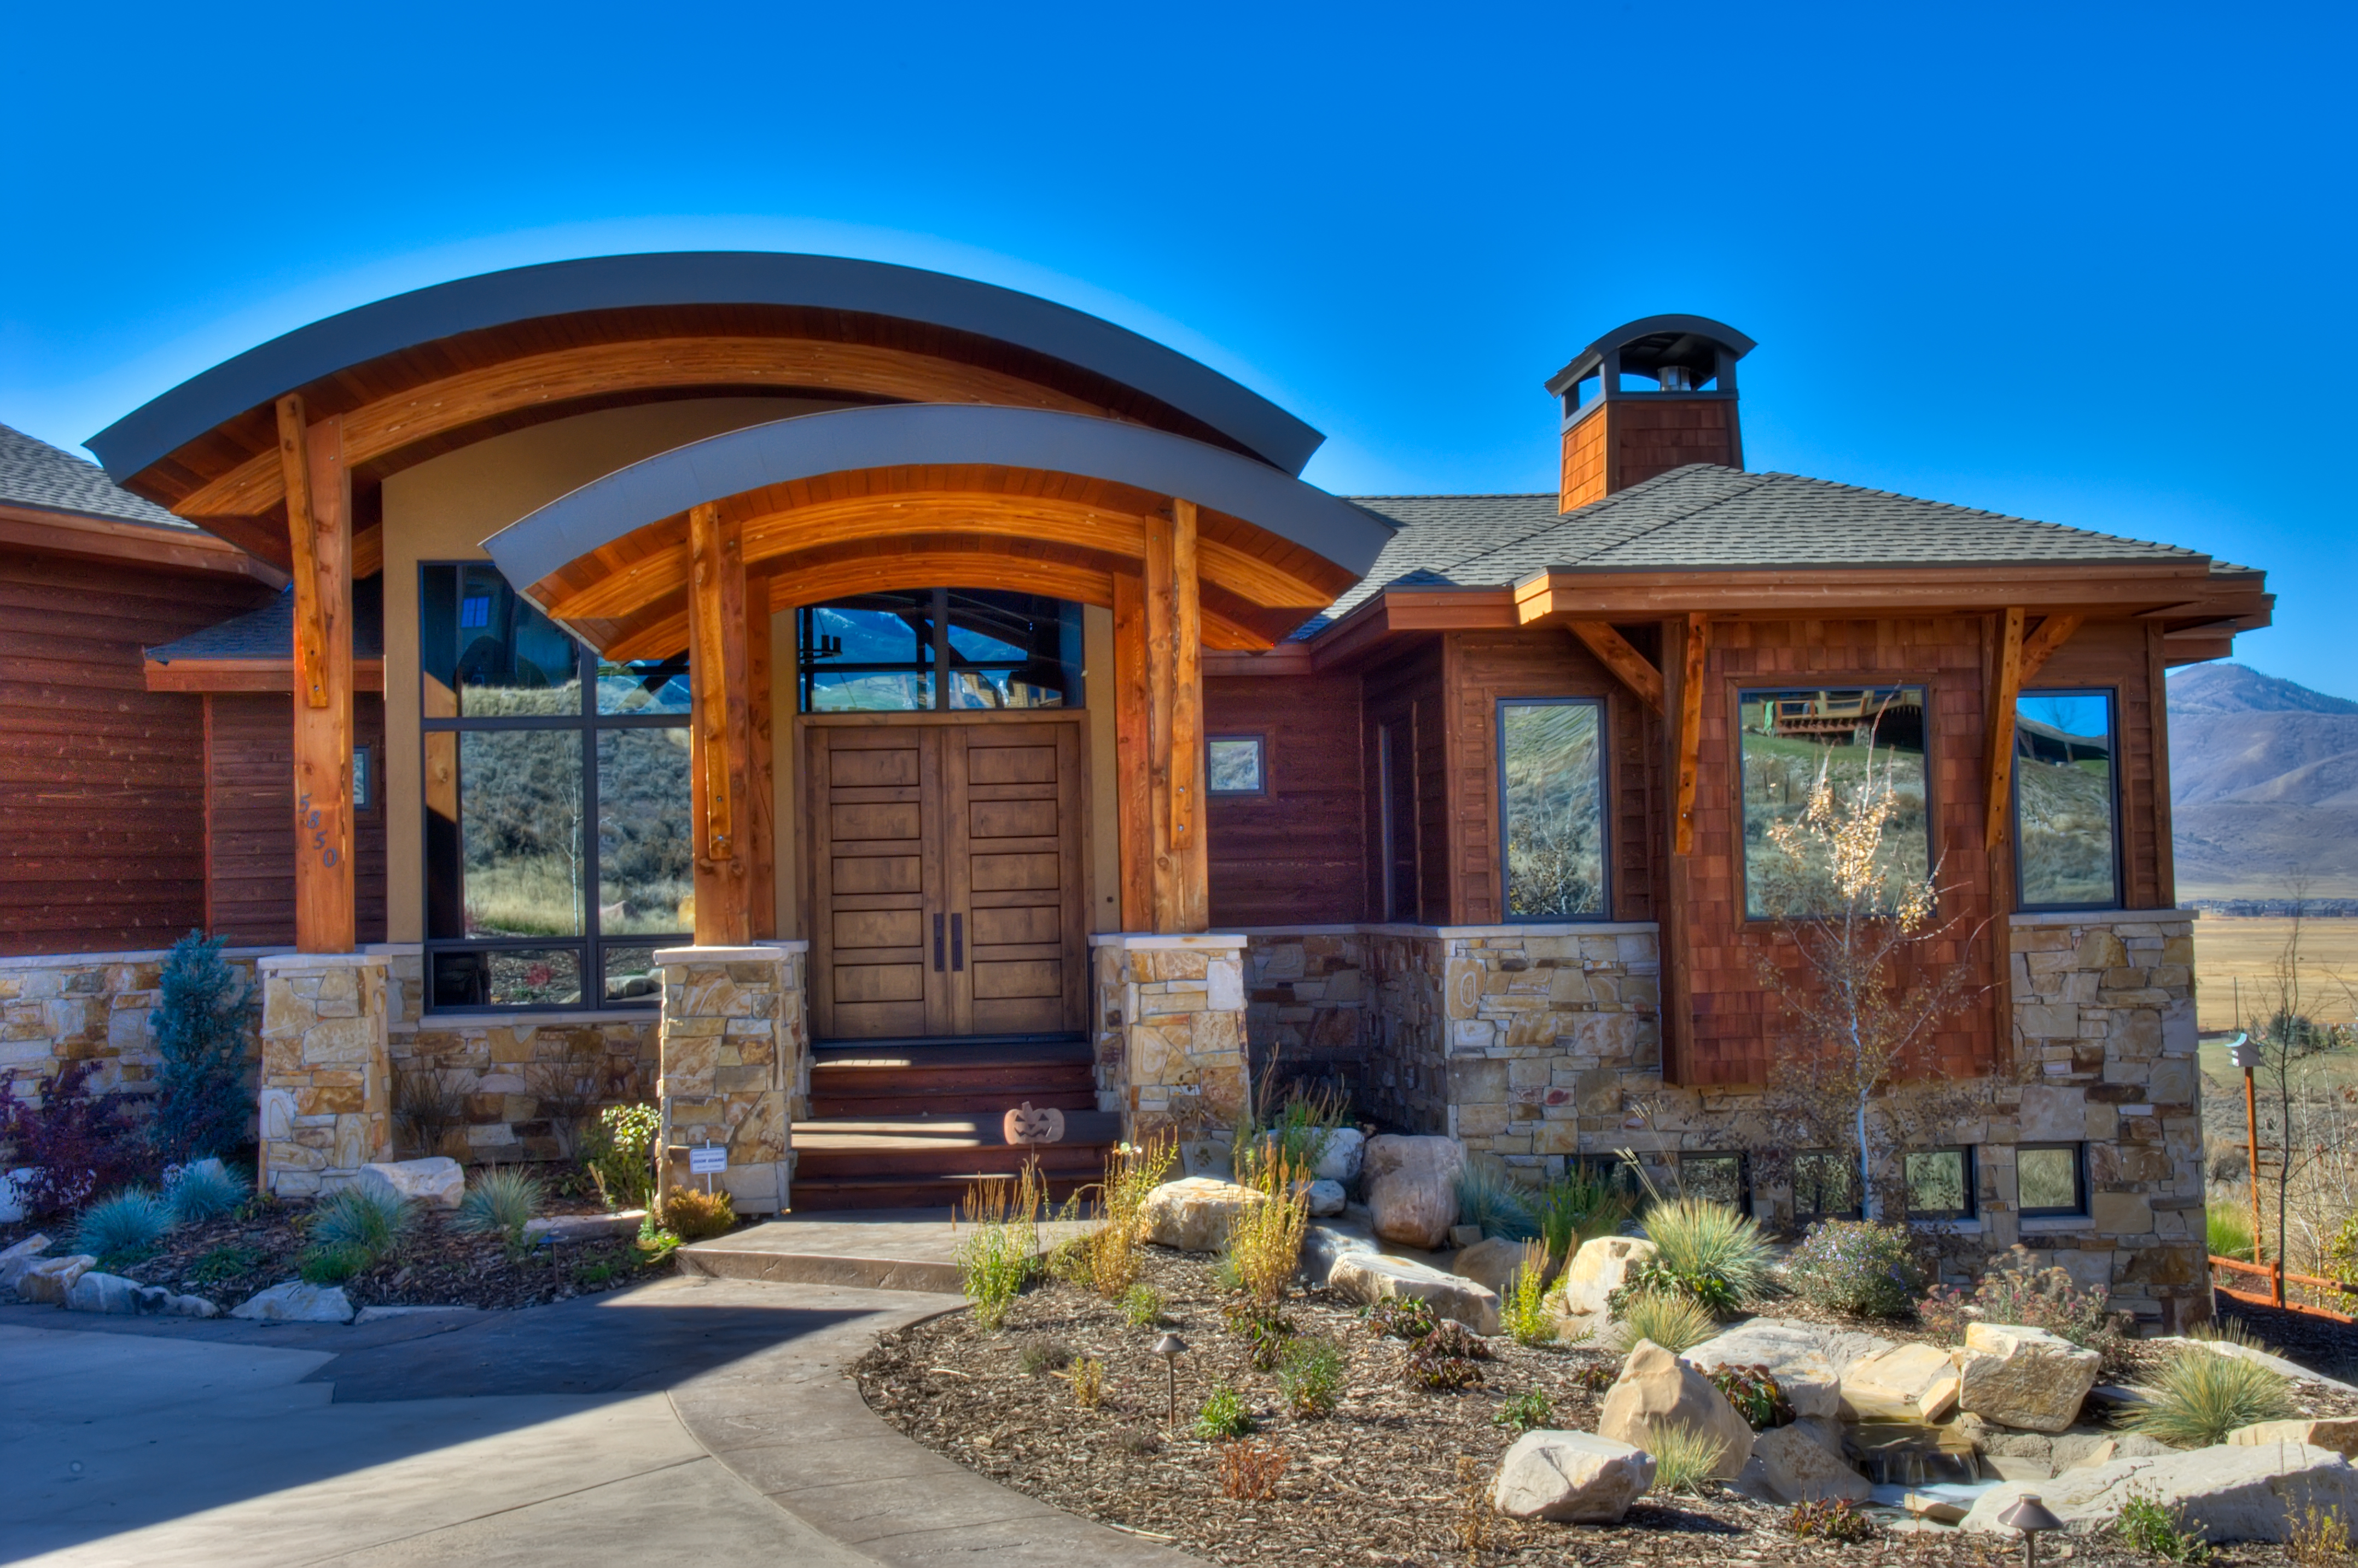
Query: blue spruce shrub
x: 202, y: 1104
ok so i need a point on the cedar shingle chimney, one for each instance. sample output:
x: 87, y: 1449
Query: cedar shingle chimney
x: 1615, y: 437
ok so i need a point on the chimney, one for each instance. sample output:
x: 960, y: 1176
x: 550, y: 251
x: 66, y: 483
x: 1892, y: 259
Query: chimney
x: 1616, y: 436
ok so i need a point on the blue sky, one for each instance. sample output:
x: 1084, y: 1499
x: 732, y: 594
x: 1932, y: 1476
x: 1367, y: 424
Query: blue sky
x: 2089, y: 265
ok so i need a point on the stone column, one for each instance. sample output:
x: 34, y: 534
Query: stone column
x: 734, y: 1063
x: 326, y: 1101
x: 1172, y: 1029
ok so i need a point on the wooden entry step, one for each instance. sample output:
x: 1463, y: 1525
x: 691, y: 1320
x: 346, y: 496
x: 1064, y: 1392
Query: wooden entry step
x: 973, y: 1078
x: 899, y: 1162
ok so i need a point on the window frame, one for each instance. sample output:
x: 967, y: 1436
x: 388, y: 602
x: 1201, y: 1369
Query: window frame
x: 940, y: 664
x: 1792, y: 1187
x: 1831, y: 681
x: 2112, y: 695
x: 1744, y: 1193
x: 1604, y: 880
x: 2079, y: 1152
x: 1259, y: 738
x: 1971, y: 1208
x: 591, y: 944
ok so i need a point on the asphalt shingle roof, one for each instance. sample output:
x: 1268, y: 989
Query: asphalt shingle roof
x: 269, y: 632
x: 34, y: 473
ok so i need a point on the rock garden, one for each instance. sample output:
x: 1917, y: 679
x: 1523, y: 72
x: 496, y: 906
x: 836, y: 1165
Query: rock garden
x: 1454, y: 1370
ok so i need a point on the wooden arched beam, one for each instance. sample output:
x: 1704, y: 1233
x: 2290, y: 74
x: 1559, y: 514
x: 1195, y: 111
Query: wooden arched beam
x: 380, y: 429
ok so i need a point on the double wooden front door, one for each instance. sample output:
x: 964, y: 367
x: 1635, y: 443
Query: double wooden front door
x: 946, y: 879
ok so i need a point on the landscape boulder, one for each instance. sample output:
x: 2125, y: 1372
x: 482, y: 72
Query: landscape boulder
x: 437, y: 1181
x: 1413, y: 1188
x: 1907, y: 1382
x: 1324, y: 1245
x: 1492, y: 1263
x: 2231, y: 1492
x: 94, y: 1292
x: 584, y: 1226
x: 1600, y: 1268
x: 19, y: 1258
x: 1793, y: 1465
x: 295, y: 1302
x: 48, y: 1281
x: 1571, y: 1477
x: 2025, y: 1377
x: 1340, y: 1161
x: 1193, y: 1213
x: 13, y: 1187
x: 1657, y: 1391
x: 1809, y: 1380
x: 154, y: 1300
x: 2337, y: 1432
x: 1328, y: 1199
x: 1370, y: 1277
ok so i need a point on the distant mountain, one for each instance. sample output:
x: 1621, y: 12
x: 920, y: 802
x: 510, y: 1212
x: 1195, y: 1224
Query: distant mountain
x: 2263, y: 785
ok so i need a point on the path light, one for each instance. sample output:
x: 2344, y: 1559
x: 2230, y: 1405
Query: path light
x: 2030, y: 1516
x: 1170, y: 1347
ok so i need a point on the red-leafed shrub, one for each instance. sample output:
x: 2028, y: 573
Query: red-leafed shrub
x: 75, y: 1142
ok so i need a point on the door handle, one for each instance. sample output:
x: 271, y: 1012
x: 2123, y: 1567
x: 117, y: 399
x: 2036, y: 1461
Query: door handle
x: 937, y: 944
x: 957, y: 942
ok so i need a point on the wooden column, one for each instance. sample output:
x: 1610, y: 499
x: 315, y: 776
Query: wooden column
x: 319, y: 532
x: 761, y: 764
x: 2005, y: 685
x: 1133, y: 739
x: 1192, y: 894
x: 1685, y: 650
x: 1690, y: 699
x: 720, y: 680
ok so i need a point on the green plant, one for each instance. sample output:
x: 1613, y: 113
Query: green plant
x: 1754, y: 1392
x: 1305, y: 1125
x: 1447, y: 1359
x: 1485, y: 1197
x: 1310, y: 1376
x: 2201, y: 1395
x: 367, y: 1217
x: 203, y: 1106
x: 1676, y: 1323
x: 1579, y: 1206
x: 219, y: 1265
x: 1142, y: 1306
x: 2232, y: 1331
x: 499, y: 1202
x: 2319, y: 1539
x: 1088, y: 1381
x: 2227, y: 1231
x: 2014, y: 1288
x: 1399, y: 1317
x: 1223, y: 1416
x: 1264, y: 1332
x: 594, y: 1274
x: 1831, y: 1518
x: 617, y: 1152
x: 1108, y: 1254
x: 1250, y: 1470
x: 333, y: 1265
x: 1867, y: 1267
x: 124, y: 1226
x: 1526, y: 1412
x: 2146, y: 1525
x: 997, y: 1256
x: 1595, y: 1377
x: 655, y: 1243
x: 204, y: 1189
x: 1523, y: 1313
x: 1685, y: 1460
x: 695, y: 1214
x: 1265, y: 1239
x: 1702, y: 1251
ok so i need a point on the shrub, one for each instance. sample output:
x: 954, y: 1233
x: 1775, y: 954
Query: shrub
x: 1265, y: 1239
x: 1265, y: 1332
x: 1310, y: 1376
x: 618, y: 1152
x: 367, y: 1218
x: 206, y: 1190
x: 203, y: 1106
x: 1399, y: 1318
x: 1250, y: 1470
x: 1674, y: 1321
x: 498, y: 1203
x: 1088, y: 1381
x: 996, y: 1259
x: 1040, y: 1353
x: 1831, y: 1518
x: 1684, y: 1459
x: 1142, y: 1306
x: 333, y: 1265
x: 1705, y: 1251
x: 694, y: 1214
x: 1487, y: 1198
x: 2201, y: 1396
x: 427, y: 1102
x: 1446, y: 1359
x: 1577, y: 1206
x: 2148, y: 1526
x: 1223, y: 1416
x: 2015, y: 1289
x: 1754, y: 1392
x: 1526, y: 1412
x: 221, y: 1264
x: 1305, y: 1126
x: 125, y: 1226
x: 1110, y: 1251
x: 76, y: 1142
x: 1867, y: 1267
x: 1595, y: 1377
x: 1524, y: 1312
x: 2319, y: 1539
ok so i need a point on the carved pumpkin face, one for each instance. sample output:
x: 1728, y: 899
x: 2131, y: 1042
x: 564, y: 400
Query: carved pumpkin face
x: 1027, y: 1125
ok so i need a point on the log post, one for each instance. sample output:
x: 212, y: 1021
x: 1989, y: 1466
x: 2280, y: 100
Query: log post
x: 1161, y: 611
x: 1192, y: 909
x: 1998, y: 765
x: 1690, y: 754
x: 319, y: 534
x: 760, y: 766
x: 718, y: 680
x: 1133, y: 737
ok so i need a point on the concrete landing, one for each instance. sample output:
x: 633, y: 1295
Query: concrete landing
x: 875, y: 1249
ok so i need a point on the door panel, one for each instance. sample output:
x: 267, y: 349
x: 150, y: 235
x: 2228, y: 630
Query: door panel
x: 873, y: 882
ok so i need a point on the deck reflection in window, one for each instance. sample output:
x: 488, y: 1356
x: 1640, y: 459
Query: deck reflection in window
x: 1551, y: 784
x: 2065, y: 802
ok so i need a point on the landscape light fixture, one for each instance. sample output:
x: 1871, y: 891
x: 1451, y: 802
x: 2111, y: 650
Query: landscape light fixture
x: 2030, y: 1516
x: 1170, y: 1347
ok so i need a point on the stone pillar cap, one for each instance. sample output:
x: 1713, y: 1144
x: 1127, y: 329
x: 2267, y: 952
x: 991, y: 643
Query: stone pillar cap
x: 721, y: 955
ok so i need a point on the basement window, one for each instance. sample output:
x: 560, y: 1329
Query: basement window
x: 1825, y: 1184
x: 2051, y: 1180
x: 1940, y: 1182
x: 1721, y: 1178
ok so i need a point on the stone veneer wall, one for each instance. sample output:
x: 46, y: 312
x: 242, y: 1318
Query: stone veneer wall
x: 325, y: 1095
x: 93, y: 1007
x: 1170, y: 1029
x: 735, y: 1061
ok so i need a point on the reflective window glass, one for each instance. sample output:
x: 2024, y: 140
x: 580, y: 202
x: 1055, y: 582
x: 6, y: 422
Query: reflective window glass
x: 1940, y: 1184
x: 1815, y: 759
x: 646, y: 862
x: 631, y: 973
x: 2049, y: 1180
x: 485, y: 653
x: 1552, y: 779
x: 1233, y: 765
x: 1825, y: 1184
x: 2065, y: 803
x: 1716, y: 1177
x: 507, y: 977
x: 643, y: 686
x: 520, y: 813
x: 931, y: 649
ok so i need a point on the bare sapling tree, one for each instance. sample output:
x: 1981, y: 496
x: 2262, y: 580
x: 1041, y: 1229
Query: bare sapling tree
x: 2304, y: 1120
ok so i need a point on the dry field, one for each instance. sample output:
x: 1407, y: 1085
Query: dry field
x: 2242, y: 955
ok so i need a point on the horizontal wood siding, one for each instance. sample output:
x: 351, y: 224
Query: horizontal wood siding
x: 250, y: 769
x: 102, y: 781
x: 2111, y: 655
x: 1295, y: 855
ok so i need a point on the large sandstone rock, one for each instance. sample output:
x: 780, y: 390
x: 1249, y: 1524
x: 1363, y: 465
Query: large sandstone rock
x: 2026, y: 1378
x: 1794, y: 1467
x: 1494, y: 1263
x: 19, y: 1258
x: 1193, y: 1213
x: 295, y: 1302
x: 1324, y: 1245
x: 94, y: 1292
x: 437, y: 1181
x: 1571, y: 1477
x: 1907, y: 1382
x: 1810, y: 1381
x: 1657, y: 1391
x: 584, y: 1226
x: 2232, y: 1492
x: 1413, y: 1188
x: 1596, y: 1272
x: 1342, y: 1158
x: 1373, y: 1277
x: 2337, y: 1432
x: 48, y: 1281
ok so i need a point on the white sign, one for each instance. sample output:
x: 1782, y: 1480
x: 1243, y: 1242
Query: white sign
x: 707, y: 1159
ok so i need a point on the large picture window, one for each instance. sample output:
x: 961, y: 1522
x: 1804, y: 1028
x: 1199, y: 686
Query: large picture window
x: 2067, y: 839
x: 1552, y: 807
x: 1796, y: 740
x: 557, y: 840
x: 939, y: 648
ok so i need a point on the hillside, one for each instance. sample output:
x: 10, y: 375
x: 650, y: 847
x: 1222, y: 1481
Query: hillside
x: 2264, y: 786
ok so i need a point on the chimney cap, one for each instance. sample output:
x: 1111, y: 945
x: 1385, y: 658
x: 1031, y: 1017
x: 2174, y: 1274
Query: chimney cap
x: 1647, y: 344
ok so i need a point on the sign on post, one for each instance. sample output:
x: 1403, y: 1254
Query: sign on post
x: 707, y: 1159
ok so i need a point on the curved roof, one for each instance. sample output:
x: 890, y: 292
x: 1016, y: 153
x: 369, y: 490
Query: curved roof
x: 1652, y: 341
x: 700, y: 278
x: 929, y: 433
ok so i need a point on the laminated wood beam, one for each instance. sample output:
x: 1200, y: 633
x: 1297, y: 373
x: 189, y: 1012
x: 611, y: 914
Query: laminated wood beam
x: 2043, y: 644
x: 320, y: 536
x: 1615, y: 652
x: 761, y: 807
x: 719, y: 681
x: 2005, y: 686
x: 1691, y: 684
x: 1192, y: 889
x: 1162, y: 613
x: 1133, y: 788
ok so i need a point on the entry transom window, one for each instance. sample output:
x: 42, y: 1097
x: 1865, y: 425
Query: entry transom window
x: 2067, y: 852
x: 939, y: 649
x: 1552, y: 807
x: 1844, y: 748
x: 558, y: 844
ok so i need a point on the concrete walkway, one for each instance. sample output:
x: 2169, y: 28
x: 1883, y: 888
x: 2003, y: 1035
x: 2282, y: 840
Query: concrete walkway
x: 698, y: 1420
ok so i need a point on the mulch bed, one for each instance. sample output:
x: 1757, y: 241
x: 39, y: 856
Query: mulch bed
x: 1397, y: 1475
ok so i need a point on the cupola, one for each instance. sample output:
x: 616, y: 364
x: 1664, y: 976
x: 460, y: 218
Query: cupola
x: 1647, y: 398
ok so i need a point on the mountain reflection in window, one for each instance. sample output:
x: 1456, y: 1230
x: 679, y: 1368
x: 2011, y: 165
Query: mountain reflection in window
x: 940, y: 648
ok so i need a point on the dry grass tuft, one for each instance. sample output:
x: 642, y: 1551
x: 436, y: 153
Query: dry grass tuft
x: 1265, y: 1243
x: 1250, y: 1470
